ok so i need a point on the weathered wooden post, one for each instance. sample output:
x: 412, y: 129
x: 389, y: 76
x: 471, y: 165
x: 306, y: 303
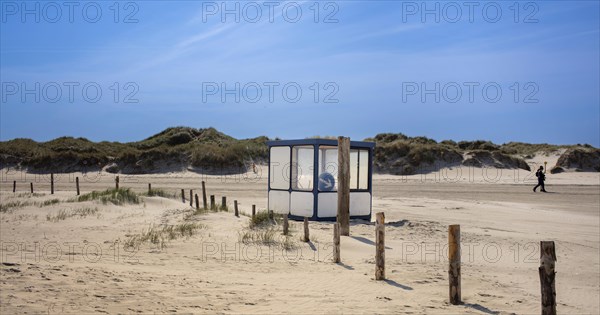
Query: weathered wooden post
x: 212, y: 202
x: 182, y: 195
x: 306, y: 236
x: 336, y: 243
x: 286, y: 225
x: 454, y: 263
x: 204, y: 203
x: 149, y: 188
x: 117, y: 182
x: 52, y: 183
x: 235, y: 208
x: 14, y: 186
x: 343, y: 189
x: 547, y: 277
x: 380, y: 246
x: 31, y: 186
x: 253, y: 211
x: 197, y: 203
x: 191, y: 197
x: 77, y: 185
x: 223, y: 203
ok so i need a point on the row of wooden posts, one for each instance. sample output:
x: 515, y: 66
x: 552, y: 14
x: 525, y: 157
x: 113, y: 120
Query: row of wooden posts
x: 51, y: 185
x: 192, y: 197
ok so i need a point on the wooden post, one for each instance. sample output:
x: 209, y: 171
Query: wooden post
x: 343, y: 188
x: 380, y: 246
x: 271, y: 215
x: 336, y: 243
x: 454, y: 263
x: 204, y: 203
x: 191, y: 198
x: 286, y: 225
x: 77, y: 185
x: 149, y: 188
x: 117, y: 182
x: 253, y: 211
x: 183, y: 195
x: 547, y: 277
x: 306, y: 236
x: 212, y: 202
x: 14, y: 186
x: 235, y: 208
x: 197, y: 203
x: 31, y: 186
x: 52, y: 183
x: 223, y: 203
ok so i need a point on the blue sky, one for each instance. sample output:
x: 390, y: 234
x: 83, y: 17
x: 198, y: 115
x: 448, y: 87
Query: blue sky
x: 375, y: 58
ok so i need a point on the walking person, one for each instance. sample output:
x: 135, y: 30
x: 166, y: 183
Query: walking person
x: 541, y: 176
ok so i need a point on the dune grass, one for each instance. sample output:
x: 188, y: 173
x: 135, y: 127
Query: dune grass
x: 115, y: 196
x: 155, y: 192
x: 219, y: 207
x: 223, y: 207
x: 209, y: 150
x: 264, y: 236
x: 28, y: 194
x: 13, y: 205
x: 262, y: 219
x: 49, y: 202
x: 266, y: 231
x: 160, y: 236
x: 65, y: 214
x: 205, y: 148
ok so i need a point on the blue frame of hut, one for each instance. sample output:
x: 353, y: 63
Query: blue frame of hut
x: 292, y: 174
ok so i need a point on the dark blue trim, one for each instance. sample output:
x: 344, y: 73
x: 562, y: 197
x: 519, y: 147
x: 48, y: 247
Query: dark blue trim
x: 329, y: 219
x: 291, y: 168
x: 315, y: 182
x: 269, y: 179
x: 358, y: 144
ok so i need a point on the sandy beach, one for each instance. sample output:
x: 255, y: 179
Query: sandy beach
x: 80, y: 263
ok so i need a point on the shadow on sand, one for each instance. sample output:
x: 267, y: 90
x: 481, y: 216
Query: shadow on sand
x: 481, y: 308
x: 345, y: 266
x: 366, y: 241
x: 398, y: 223
x: 397, y: 285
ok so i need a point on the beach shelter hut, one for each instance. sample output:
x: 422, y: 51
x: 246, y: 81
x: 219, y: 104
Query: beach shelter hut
x: 302, y: 178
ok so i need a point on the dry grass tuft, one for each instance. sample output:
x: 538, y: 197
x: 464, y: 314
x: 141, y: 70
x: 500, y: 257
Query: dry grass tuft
x: 160, y: 236
x: 115, y: 196
x: 11, y: 206
x: 65, y: 214
x: 266, y: 231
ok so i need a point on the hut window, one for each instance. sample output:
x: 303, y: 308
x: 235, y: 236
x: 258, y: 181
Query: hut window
x: 303, y: 158
x: 280, y: 168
